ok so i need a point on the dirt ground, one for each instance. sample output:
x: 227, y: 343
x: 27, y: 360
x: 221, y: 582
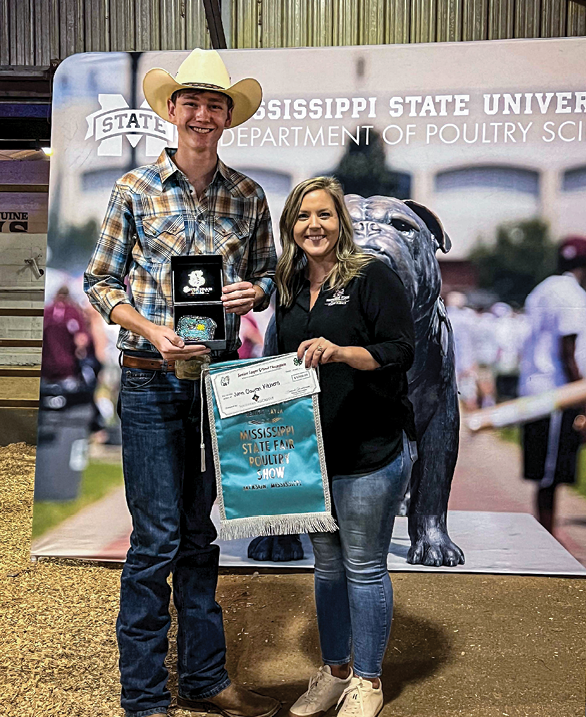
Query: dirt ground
x: 471, y: 645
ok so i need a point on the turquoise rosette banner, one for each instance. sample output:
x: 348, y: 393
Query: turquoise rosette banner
x: 269, y: 461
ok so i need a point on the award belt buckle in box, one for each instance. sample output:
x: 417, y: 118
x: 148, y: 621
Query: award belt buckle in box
x: 199, y: 315
x: 267, y: 448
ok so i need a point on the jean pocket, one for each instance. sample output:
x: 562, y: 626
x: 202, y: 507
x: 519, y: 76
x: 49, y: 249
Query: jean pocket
x: 136, y: 378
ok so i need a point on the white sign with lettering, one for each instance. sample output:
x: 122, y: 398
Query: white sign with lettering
x: 266, y: 383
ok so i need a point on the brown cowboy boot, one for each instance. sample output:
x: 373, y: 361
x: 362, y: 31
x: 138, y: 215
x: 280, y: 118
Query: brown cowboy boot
x: 234, y: 701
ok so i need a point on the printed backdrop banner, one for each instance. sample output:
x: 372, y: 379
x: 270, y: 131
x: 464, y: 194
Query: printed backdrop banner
x: 491, y: 136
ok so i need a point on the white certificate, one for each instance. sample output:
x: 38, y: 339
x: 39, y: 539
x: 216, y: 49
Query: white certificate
x: 270, y: 381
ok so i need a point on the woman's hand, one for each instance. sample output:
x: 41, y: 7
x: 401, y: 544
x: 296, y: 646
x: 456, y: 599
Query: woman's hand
x: 322, y: 351
x: 318, y: 351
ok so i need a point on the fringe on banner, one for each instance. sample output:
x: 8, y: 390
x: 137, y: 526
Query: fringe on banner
x: 266, y: 525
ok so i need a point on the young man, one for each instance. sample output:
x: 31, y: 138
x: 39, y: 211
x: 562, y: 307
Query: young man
x: 188, y: 202
x: 554, y: 354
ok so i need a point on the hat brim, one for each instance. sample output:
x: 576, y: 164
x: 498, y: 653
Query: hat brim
x: 158, y: 86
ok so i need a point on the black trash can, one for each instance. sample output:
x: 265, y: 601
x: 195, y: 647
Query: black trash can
x: 62, y: 447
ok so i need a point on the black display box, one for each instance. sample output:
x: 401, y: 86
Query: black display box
x: 198, y: 312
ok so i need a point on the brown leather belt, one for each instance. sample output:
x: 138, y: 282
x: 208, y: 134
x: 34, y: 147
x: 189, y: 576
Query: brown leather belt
x: 151, y: 364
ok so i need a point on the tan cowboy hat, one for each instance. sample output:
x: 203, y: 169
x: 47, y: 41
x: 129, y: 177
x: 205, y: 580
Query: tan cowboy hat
x: 202, y: 70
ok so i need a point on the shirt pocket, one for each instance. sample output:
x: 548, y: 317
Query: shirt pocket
x: 230, y: 233
x: 162, y: 236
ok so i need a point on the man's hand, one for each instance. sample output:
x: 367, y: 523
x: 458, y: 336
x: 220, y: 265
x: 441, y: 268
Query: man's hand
x: 172, y: 346
x: 240, y: 298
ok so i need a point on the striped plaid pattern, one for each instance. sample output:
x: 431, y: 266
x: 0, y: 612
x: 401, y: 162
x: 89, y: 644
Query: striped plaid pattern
x: 154, y: 214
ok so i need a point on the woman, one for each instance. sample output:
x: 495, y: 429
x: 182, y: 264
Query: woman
x: 347, y: 313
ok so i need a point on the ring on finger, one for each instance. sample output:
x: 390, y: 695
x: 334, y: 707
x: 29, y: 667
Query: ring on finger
x: 320, y: 348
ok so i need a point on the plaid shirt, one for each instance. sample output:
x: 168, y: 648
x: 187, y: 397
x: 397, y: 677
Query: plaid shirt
x: 154, y: 214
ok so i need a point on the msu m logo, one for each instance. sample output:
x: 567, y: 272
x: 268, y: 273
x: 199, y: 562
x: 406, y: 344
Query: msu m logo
x: 116, y: 120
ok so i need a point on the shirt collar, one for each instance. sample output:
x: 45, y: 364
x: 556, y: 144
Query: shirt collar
x: 167, y: 168
x: 165, y: 164
x: 225, y: 172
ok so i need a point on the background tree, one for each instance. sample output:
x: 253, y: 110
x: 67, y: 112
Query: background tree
x: 363, y: 170
x: 522, y: 256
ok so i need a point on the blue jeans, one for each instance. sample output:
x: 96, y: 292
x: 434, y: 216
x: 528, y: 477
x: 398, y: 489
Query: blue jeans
x: 170, y: 501
x: 353, y: 590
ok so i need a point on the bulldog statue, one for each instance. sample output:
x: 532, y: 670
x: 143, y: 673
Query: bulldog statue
x: 406, y: 235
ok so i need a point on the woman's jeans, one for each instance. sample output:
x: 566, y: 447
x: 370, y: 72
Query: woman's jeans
x: 353, y: 590
x: 170, y: 501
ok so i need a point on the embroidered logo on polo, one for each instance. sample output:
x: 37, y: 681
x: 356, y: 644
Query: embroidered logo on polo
x: 196, y: 281
x: 338, y: 299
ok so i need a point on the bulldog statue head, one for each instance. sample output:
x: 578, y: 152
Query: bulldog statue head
x: 406, y: 236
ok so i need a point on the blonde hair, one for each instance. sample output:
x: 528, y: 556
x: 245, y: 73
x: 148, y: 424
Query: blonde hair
x: 350, y: 259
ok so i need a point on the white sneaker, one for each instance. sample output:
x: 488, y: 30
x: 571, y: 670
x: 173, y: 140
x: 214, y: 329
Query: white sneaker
x: 361, y: 699
x: 323, y: 692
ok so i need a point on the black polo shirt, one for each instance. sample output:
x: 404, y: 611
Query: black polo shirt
x: 363, y: 413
